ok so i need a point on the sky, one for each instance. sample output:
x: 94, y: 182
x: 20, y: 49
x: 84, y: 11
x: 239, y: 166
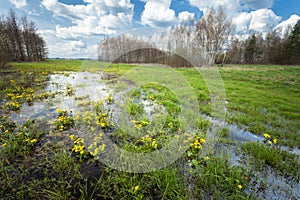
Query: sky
x: 73, y: 28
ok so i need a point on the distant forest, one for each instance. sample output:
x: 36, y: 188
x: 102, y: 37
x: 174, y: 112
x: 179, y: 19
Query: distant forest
x: 19, y: 40
x: 208, y: 41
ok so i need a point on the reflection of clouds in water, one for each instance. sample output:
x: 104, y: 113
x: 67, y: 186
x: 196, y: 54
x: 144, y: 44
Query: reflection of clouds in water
x: 85, y: 84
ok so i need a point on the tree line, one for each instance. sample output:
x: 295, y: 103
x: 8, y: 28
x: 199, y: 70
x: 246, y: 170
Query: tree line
x: 272, y: 48
x: 205, y: 42
x: 19, y: 40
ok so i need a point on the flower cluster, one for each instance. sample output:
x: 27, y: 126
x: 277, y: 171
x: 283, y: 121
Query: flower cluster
x: 197, y: 143
x: 140, y: 124
x: 195, y: 146
x: 109, y: 99
x: 63, y: 121
x: 12, y: 105
x: 17, y: 139
x: 69, y: 90
x: 79, y: 148
x: 268, y: 139
x: 97, y: 146
x: 149, y: 141
x: 103, y: 121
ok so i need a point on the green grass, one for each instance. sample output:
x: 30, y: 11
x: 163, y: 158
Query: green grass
x: 49, y: 65
x: 265, y: 99
x: 42, y: 162
x: 281, y: 161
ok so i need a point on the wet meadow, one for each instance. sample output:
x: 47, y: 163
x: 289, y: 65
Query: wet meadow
x: 72, y: 129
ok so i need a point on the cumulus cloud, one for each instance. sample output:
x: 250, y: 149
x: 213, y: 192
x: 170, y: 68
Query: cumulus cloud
x: 290, y: 22
x: 260, y: 20
x: 158, y: 14
x: 242, y: 21
x: 19, y: 3
x: 186, y: 16
x: 263, y: 20
x: 95, y: 18
x: 76, y: 47
x: 73, y: 49
x: 232, y: 6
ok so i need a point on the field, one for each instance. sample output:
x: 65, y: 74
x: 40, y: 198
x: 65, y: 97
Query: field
x: 72, y: 129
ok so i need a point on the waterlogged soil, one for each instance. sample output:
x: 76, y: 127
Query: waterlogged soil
x: 88, y: 87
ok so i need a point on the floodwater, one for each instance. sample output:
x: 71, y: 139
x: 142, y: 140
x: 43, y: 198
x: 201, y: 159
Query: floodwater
x: 87, y: 86
x: 93, y: 86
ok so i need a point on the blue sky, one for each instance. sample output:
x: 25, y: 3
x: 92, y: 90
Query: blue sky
x: 72, y: 28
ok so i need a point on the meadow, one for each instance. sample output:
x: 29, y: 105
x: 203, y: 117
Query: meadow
x: 49, y: 151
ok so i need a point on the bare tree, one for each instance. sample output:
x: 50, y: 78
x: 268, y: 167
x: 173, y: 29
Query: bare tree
x: 213, y: 31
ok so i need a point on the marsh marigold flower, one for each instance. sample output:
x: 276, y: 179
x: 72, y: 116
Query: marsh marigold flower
x: 136, y: 188
x: 72, y: 137
x: 240, y: 186
x: 33, y: 140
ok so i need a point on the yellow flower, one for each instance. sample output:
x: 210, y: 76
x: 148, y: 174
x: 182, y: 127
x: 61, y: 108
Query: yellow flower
x: 275, y: 141
x: 206, y: 158
x: 102, y: 124
x: 266, y: 135
x: 103, y: 147
x: 6, y: 131
x: 72, y: 137
x: 33, y: 140
x: 59, y: 111
x: 4, y: 144
x: 136, y: 188
x: 240, y: 186
x: 202, y: 140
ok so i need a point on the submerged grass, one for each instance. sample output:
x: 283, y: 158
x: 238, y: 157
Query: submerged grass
x: 281, y: 161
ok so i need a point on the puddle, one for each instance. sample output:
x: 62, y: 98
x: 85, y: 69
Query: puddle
x: 241, y: 135
x: 86, y: 86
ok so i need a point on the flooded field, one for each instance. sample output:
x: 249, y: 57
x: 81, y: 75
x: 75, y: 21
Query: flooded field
x: 92, y: 114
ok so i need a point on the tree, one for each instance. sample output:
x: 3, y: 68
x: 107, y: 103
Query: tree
x: 213, y: 31
x: 19, y: 40
x: 293, y: 46
x: 253, y: 52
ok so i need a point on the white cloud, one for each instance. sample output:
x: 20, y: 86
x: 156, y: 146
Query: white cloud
x: 76, y: 47
x: 158, y: 14
x: 231, y: 7
x: 73, y: 49
x: 97, y: 17
x: 19, y: 3
x: 263, y: 20
x: 290, y: 22
x: 242, y: 21
x: 186, y: 16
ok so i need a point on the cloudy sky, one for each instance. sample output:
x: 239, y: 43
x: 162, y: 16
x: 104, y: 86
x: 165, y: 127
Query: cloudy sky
x: 72, y: 28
